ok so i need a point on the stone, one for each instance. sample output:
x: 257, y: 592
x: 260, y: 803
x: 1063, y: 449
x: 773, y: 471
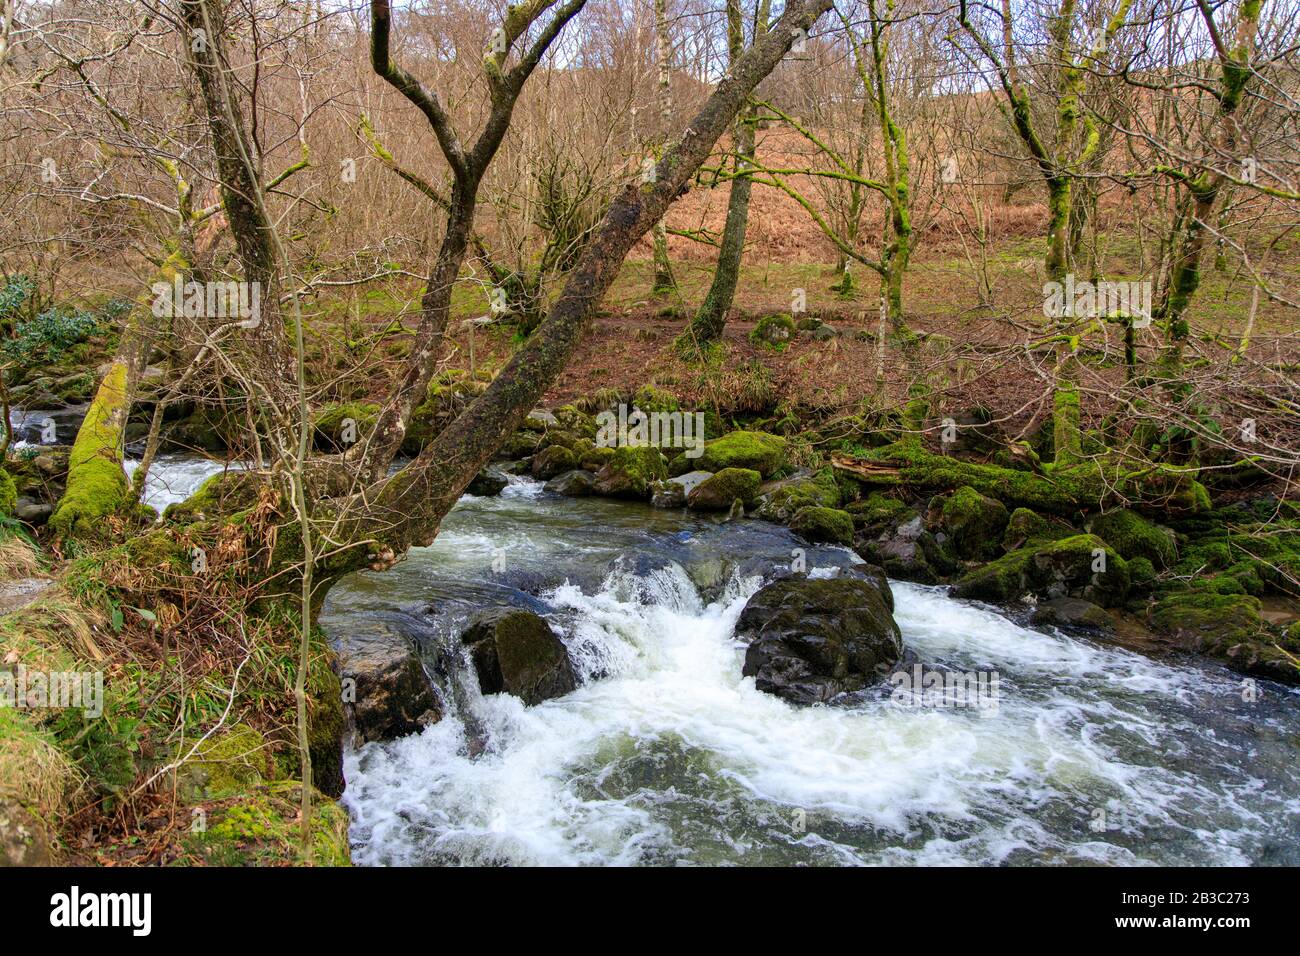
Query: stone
x: 811, y: 640
x: 391, y: 695
x: 573, y: 484
x: 1072, y: 612
x: 720, y: 490
x: 515, y: 651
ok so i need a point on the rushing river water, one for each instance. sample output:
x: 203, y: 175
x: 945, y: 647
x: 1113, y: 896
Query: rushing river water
x: 666, y: 755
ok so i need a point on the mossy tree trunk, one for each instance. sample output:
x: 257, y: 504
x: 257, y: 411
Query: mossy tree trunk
x: 707, y: 324
x: 664, y: 283
x: 1203, y: 187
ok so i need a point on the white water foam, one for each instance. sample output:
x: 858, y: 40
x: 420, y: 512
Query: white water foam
x: 673, y: 757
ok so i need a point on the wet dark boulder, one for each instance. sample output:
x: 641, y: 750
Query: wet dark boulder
x: 1072, y: 612
x: 811, y: 640
x: 488, y: 482
x: 572, y: 484
x: 516, y: 652
x: 385, y: 688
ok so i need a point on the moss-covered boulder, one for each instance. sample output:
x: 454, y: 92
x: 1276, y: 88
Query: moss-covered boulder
x: 1081, y: 566
x: 224, y: 493
x: 341, y: 425
x: 779, y: 500
x: 520, y: 444
x: 552, y: 461
x: 573, y: 419
x: 630, y: 472
x: 830, y: 525
x: 812, y: 640
x: 516, y: 652
x: 260, y: 828
x: 572, y: 484
x: 1227, y: 626
x: 1133, y: 536
x: 233, y: 760
x: 649, y: 398
x: 720, y: 490
x: 1072, y: 612
x: 759, y: 451
x: 974, y: 522
x: 773, y: 331
x: 1028, y: 527
x: 876, y: 512
x: 998, y: 582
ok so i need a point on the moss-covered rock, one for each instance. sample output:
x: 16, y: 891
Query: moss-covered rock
x: 779, y: 500
x: 1133, y: 536
x: 260, y: 828
x: 648, y: 398
x: 573, y: 419
x: 552, y: 461
x: 224, y: 493
x: 876, y: 511
x: 341, y: 425
x: 974, y: 521
x: 720, y: 490
x: 998, y: 582
x: 231, y: 761
x: 759, y: 451
x: 823, y: 524
x: 1227, y: 626
x: 630, y: 472
x: 773, y: 331
x: 1141, y: 575
x: 1028, y: 527
x: 1081, y: 566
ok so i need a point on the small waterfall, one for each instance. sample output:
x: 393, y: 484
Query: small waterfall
x: 667, y: 755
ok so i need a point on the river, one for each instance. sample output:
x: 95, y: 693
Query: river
x: 666, y: 755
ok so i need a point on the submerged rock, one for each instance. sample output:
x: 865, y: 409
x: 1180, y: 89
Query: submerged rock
x: 811, y: 640
x: 516, y: 652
